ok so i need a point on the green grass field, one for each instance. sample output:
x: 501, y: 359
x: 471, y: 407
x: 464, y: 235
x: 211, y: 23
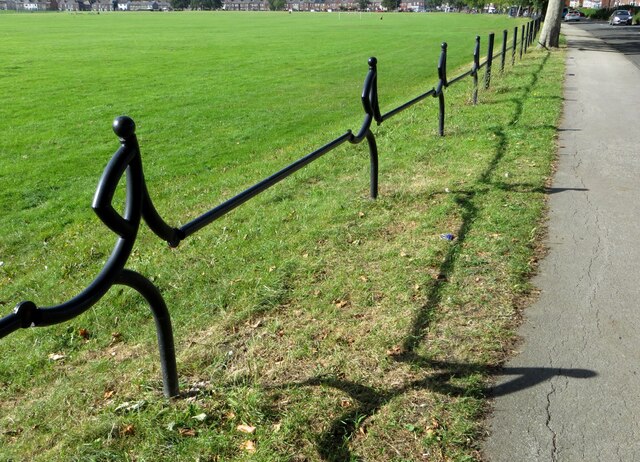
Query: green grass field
x: 209, y: 92
x: 339, y: 327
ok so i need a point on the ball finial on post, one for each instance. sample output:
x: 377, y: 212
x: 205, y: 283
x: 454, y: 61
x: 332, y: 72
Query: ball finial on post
x: 124, y: 127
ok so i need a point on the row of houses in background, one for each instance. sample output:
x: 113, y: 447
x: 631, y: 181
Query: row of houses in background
x: 84, y: 5
x: 228, y: 5
x: 597, y: 4
x: 254, y: 5
x: 317, y: 5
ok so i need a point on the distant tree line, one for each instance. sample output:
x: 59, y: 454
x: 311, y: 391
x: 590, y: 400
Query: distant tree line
x: 276, y: 5
x: 196, y: 4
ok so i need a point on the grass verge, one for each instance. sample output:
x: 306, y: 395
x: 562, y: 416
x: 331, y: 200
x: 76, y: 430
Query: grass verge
x: 315, y: 325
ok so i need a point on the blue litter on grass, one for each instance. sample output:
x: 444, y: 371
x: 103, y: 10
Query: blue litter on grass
x: 447, y: 237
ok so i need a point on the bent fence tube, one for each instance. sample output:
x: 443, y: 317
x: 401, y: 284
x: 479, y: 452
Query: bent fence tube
x: 127, y: 162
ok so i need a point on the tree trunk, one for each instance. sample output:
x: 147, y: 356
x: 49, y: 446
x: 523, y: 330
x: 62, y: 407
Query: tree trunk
x: 550, y: 35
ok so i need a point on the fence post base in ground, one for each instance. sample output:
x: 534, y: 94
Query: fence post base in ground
x: 163, y: 328
x: 373, y: 158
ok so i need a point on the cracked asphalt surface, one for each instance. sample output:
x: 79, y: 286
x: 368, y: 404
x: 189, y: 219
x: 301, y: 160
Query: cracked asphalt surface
x: 584, y: 330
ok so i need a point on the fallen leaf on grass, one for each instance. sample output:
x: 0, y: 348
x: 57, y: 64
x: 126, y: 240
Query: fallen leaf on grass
x: 431, y: 430
x: 245, y: 428
x: 249, y: 446
x: 108, y: 394
x: 340, y: 303
x: 200, y: 417
x: 115, y: 338
x: 187, y: 432
x: 128, y: 430
x: 84, y: 333
x: 57, y: 356
x: 396, y: 350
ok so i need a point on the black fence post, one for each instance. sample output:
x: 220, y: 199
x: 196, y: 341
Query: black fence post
x: 533, y: 32
x: 504, y: 50
x: 125, y: 162
x: 487, y: 75
x: 522, y: 42
x: 475, y: 69
x: 527, y: 36
x: 124, y: 128
x: 372, y: 112
x: 442, y: 84
x: 515, y: 46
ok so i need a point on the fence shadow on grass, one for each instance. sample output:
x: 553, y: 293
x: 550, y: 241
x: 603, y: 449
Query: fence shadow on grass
x: 332, y: 445
x: 467, y: 200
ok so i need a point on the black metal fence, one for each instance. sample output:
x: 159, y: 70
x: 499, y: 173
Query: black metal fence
x: 138, y: 204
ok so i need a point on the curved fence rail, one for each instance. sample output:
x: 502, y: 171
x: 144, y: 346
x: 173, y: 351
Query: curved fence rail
x: 139, y: 206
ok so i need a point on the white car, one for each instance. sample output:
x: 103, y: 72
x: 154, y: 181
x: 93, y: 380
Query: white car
x: 620, y: 17
x: 572, y: 16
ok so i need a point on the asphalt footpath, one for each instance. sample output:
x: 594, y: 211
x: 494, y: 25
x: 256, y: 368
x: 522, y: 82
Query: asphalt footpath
x: 572, y: 392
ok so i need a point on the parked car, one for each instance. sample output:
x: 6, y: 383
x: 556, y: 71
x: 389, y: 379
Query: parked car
x: 572, y: 16
x: 620, y: 17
